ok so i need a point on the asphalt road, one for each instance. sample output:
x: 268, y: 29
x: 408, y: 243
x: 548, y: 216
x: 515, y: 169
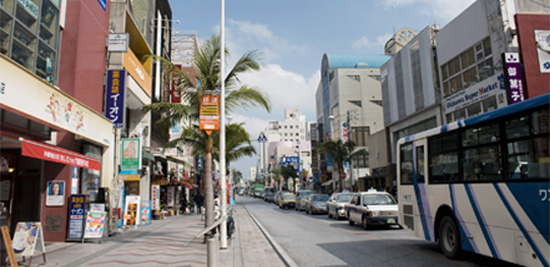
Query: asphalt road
x: 316, y: 240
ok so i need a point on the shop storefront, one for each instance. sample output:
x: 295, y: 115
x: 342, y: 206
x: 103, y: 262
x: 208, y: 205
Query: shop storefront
x: 52, y: 146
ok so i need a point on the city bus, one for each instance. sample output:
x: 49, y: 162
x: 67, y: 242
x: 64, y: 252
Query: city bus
x: 481, y: 184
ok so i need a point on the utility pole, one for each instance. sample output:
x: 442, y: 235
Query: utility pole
x: 223, y: 177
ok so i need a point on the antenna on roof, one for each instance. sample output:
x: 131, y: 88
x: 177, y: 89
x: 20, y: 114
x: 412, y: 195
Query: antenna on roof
x: 392, y: 21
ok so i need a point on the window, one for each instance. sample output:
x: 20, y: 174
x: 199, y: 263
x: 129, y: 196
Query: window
x: 355, y: 77
x: 296, y: 126
x: 420, y: 172
x: 359, y: 135
x: 286, y: 134
x: 443, y: 158
x: 406, y: 164
x: 360, y: 161
x: 285, y: 126
x: 290, y: 126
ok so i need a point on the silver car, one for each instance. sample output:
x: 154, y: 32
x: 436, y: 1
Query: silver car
x: 317, y: 203
x: 301, y: 196
x: 335, y: 205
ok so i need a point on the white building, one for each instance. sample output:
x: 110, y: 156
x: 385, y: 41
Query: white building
x: 350, y: 91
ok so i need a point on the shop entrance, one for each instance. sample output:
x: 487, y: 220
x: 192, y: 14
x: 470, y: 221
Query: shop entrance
x: 27, y: 193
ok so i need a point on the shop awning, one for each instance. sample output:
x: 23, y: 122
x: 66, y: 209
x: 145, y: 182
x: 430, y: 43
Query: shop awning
x: 190, y: 186
x: 148, y: 155
x: 56, y: 154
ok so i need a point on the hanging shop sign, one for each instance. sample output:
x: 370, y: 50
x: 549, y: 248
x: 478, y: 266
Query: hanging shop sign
x: 131, y: 154
x: 118, y: 42
x: 115, y: 97
x: 155, y: 197
x: 209, y: 113
x: 513, y: 77
x: 344, y: 132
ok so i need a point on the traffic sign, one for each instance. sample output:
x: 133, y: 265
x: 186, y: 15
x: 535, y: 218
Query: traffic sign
x: 262, y: 138
x: 343, y: 175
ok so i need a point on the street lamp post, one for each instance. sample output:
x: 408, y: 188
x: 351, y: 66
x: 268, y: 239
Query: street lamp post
x: 223, y: 177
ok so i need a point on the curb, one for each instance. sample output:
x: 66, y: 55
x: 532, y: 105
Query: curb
x: 282, y: 254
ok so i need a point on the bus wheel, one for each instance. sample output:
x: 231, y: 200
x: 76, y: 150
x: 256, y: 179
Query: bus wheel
x: 449, y: 238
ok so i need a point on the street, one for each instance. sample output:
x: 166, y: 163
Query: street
x: 316, y: 240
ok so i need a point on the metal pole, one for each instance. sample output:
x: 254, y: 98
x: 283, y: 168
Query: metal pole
x: 223, y: 177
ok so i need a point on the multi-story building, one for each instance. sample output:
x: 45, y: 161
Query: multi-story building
x: 55, y: 138
x: 349, y: 93
x: 410, y: 97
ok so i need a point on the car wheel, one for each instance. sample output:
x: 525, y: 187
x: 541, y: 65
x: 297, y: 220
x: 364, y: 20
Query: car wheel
x: 306, y: 210
x: 328, y: 212
x: 350, y: 222
x: 365, y: 223
x: 449, y: 238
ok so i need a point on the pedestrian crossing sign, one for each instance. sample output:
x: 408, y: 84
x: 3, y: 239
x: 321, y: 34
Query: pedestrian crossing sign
x: 262, y: 137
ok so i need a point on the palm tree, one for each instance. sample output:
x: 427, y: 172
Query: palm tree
x: 207, y: 65
x: 340, y: 152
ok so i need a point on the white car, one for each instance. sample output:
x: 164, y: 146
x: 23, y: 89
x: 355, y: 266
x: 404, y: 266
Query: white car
x: 335, y: 205
x: 372, y: 208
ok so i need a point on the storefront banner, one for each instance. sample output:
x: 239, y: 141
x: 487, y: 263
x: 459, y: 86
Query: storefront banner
x: 77, y: 209
x: 51, y: 153
x: 25, y: 238
x: 132, y: 210
x: 131, y: 154
x: 49, y: 105
x: 513, y: 77
x: 473, y: 94
x: 115, y: 97
x: 95, y: 225
x: 171, y: 196
x: 145, y: 212
x: 542, y: 38
x: 56, y: 193
x: 155, y: 197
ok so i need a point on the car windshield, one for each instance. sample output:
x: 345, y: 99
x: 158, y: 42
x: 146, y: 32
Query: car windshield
x: 378, y: 199
x: 289, y: 197
x: 322, y: 198
x: 304, y: 195
x: 344, y: 198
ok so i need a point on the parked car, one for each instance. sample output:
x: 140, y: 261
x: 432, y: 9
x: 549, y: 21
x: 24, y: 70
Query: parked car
x: 268, y: 197
x: 287, y: 200
x: 276, y: 198
x: 335, y: 205
x: 317, y: 203
x: 301, y: 196
x: 372, y: 208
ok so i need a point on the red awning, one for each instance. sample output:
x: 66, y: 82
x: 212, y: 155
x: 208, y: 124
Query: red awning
x: 183, y: 183
x: 52, y: 153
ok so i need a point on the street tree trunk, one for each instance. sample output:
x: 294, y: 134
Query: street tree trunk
x: 208, y: 194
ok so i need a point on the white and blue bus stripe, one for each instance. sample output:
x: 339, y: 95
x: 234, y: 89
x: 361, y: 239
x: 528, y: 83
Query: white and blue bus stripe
x: 520, y: 225
x: 465, y: 233
x: 482, y: 222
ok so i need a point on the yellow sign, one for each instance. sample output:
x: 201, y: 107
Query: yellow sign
x: 209, y: 113
x: 159, y: 182
x: 134, y: 67
x: 129, y: 177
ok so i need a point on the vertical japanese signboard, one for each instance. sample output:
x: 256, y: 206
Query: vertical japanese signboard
x: 344, y: 132
x: 155, y: 197
x: 209, y: 113
x: 131, y: 154
x: 115, y: 97
x: 77, y: 210
x: 175, y: 92
x: 513, y: 78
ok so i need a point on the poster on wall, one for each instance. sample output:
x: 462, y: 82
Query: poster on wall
x: 95, y: 225
x: 145, y: 212
x: 155, y: 197
x: 543, y: 49
x: 55, y: 193
x: 25, y: 238
x: 131, y: 154
x: 132, y: 210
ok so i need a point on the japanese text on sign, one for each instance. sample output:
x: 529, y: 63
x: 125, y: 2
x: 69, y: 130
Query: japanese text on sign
x: 114, y: 109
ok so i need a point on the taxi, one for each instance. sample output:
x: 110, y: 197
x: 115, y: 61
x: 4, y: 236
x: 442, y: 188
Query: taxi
x: 371, y: 208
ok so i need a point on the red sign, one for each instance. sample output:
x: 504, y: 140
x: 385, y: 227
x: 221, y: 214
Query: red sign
x: 209, y: 113
x: 51, y: 153
x: 345, y: 134
x: 343, y: 175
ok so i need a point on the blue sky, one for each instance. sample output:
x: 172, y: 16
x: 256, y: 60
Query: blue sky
x: 294, y: 35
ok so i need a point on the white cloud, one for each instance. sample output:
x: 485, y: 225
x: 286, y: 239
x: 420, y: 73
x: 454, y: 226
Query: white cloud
x: 365, y: 42
x: 445, y: 10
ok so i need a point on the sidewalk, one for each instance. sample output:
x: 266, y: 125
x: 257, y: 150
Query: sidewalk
x: 168, y: 242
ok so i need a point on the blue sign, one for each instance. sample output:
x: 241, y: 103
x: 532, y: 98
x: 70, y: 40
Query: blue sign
x: 330, y: 164
x: 77, y: 209
x: 103, y: 4
x: 200, y: 164
x: 262, y: 137
x: 115, y: 96
x: 145, y: 212
x: 291, y: 160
